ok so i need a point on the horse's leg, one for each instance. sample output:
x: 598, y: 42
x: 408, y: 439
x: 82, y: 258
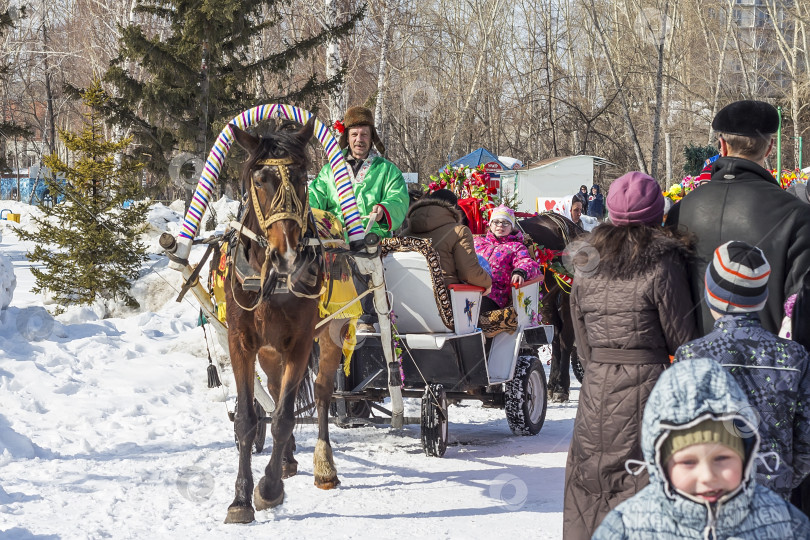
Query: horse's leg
x: 554, y: 375
x: 566, y: 345
x: 331, y: 353
x: 244, y: 371
x: 269, y: 491
x: 554, y: 372
x: 270, y: 361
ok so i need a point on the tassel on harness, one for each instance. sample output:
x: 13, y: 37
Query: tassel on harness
x: 213, y: 376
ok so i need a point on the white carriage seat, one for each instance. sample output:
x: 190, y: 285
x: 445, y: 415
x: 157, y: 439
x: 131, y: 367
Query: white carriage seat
x: 421, y: 301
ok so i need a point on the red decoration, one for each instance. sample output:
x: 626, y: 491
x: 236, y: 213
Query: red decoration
x: 545, y: 256
x: 472, y: 208
x: 473, y: 189
x: 339, y: 127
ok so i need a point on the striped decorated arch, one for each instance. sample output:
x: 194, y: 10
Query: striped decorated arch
x: 216, y: 159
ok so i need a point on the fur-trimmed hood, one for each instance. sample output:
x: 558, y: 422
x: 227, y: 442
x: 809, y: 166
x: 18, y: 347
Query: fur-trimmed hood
x: 633, y: 250
x: 429, y: 214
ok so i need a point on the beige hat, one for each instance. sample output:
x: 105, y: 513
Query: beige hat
x: 708, y: 431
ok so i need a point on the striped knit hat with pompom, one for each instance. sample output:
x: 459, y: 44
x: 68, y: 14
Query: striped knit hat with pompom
x: 737, y: 279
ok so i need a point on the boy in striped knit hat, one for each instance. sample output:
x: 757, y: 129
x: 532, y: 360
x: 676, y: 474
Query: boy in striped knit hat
x: 771, y: 371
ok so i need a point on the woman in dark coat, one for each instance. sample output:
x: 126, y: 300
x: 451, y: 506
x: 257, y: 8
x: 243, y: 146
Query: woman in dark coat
x: 582, y: 196
x: 631, y: 309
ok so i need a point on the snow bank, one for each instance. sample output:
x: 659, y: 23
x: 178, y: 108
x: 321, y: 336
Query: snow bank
x: 8, y: 281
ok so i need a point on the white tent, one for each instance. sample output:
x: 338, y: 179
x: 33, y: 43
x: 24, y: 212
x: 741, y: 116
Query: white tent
x: 546, y: 182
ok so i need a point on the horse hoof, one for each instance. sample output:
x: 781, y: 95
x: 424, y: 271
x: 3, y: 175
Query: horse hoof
x: 560, y: 397
x: 263, y: 504
x: 289, y: 469
x: 327, y: 484
x: 240, y: 514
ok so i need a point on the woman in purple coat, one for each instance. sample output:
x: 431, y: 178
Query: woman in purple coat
x: 508, y: 258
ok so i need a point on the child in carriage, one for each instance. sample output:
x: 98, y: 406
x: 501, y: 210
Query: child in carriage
x: 508, y: 258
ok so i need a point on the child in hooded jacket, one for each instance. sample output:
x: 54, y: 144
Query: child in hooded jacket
x: 700, y: 443
x: 508, y: 258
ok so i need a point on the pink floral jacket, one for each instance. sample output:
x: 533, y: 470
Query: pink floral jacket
x: 505, y: 255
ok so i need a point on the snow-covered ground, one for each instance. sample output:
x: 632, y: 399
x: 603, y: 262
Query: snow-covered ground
x: 108, y: 430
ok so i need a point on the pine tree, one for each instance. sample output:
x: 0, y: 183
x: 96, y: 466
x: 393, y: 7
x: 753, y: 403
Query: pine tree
x: 695, y: 158
x: 8, y: 129
x: 87, y: 246
x: 203, y: 70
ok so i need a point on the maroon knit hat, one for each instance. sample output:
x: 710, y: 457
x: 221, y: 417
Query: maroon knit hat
x: 635, y: 198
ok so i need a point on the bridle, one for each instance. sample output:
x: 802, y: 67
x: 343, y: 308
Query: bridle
x: 285, y: 203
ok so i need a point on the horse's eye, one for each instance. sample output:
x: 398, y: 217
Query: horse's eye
x: 257, y: 177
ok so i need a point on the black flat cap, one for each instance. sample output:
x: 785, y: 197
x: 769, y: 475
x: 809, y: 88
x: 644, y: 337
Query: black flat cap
x: 747, y: 118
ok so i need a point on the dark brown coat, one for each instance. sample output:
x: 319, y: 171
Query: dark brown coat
x: 630, y: 315
x: 441, y: 222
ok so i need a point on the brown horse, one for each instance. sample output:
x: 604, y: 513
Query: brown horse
x: 277, y: 323
x: 554, y: 232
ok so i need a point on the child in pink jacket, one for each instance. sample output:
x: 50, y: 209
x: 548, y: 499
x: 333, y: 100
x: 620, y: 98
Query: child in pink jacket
x: 508, y: 258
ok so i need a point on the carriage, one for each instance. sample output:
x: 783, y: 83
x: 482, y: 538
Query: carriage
x: 444, y: 355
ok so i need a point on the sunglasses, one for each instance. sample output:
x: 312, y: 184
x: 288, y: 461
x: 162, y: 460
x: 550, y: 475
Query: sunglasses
x: 500, y: 223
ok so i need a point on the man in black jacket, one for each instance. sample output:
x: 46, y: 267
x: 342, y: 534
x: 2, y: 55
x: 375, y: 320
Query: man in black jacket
x: 744, y: 202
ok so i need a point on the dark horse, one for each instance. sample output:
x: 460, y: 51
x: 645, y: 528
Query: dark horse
x: 553, y: 231
x: 277, y: 326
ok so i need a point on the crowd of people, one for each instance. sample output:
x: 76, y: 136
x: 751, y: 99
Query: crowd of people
x: 694, y: 414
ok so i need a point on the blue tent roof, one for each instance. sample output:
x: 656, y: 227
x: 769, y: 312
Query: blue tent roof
x: 478, y: 157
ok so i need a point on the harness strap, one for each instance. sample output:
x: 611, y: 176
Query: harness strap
x: 556, y: 218
x: 237, y: 226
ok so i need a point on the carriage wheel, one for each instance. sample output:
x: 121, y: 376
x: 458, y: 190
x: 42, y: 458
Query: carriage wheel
x: 261, y: 428
x: 354, y: 409
x: 526, y: 397
x: 434, y: 421
x: 576, y: 365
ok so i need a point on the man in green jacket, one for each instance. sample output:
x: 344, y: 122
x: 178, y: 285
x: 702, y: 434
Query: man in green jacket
x: 378, y: 184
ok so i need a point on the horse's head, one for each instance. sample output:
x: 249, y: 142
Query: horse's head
x: 275, y: 177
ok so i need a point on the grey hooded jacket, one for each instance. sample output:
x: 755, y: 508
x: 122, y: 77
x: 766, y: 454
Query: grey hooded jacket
x: 686, y: 394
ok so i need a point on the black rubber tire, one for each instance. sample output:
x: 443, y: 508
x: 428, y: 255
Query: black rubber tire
x: 435, y: 428
x: 261, y: 428
x: 576, y: 366
x: 526, y: 397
